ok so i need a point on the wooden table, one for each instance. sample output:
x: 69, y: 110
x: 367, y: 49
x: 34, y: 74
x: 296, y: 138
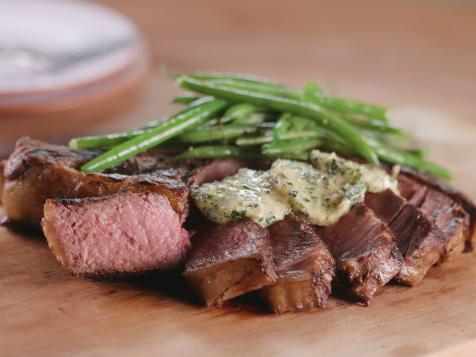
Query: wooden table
x: 419, y: 59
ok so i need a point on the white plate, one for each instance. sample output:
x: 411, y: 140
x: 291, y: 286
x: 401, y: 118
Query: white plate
x: 38, y: 40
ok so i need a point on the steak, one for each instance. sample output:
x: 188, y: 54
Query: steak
x: 230, y: 260
x: 464, y: 201
x: 365, y: 250
x: 304, y: 265
x: 213, y: 170
x: 127, y: 232
x: 449, y: 218
x: 418, y: 239
x: 37, y: 171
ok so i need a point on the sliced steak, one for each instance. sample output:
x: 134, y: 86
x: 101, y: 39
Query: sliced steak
x: 419, y: 242
x: 365, y: 250
x: 449, y: 218
x: 213, y: 170
x: 124, y: 233
x: 228, y: 261
x: 37, y: 171
x: 418, y: 239
x: 464, y: 201
x: 304, y: 265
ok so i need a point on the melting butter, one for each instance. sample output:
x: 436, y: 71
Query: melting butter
x: 322, y: 192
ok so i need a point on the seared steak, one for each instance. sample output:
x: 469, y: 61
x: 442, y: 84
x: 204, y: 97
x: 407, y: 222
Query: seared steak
x: 123, y: 233
x: 228, y: 261
x: 213, y: 170
x: 37, y: 171
x: 365, y: 250
x: 464, y: 201
x: 304, y: 265
x: 445, y: 214
x: 418, y: 240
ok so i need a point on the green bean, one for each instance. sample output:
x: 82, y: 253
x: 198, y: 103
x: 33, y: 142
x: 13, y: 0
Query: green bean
x: 281, y: 126
x: 376, y: 125
x: 315, y: 112
x: 312, y: 90
x: 213, y: 152
x: 185, y: 98
x: 206, y: 76
x: 164, y: 131
x: 273, y: 88
x: 111, y: 140
x: 352, y: 106
x: 104, y: 141
x: 421, y: 153
x: 239, y: 112
x: 259, y: 140
x: 220, y: 132
x: 395, y: 156
x: 290, y: 146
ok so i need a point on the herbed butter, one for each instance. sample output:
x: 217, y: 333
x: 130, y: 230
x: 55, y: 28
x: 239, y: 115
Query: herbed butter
x: 322, y: 192
x: 374, y: 177
x: 247, y: 194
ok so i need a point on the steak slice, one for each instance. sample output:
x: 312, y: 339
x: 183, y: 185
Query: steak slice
x: 304, y: 265
x: 230, y: 260
x: 124, y: 233
x: 449, y: 218
x: 464, y: 201
x: 37, y: 171
x: 213, y: 170
x: 365, y: 250
x: 418, y: 240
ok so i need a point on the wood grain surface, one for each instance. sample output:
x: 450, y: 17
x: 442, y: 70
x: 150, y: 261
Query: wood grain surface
x: 416, y: 57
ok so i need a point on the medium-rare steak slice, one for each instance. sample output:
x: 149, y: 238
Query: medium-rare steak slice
x: 230, y: 260
x: 365, y: 250
x: 37, y: 171
x: 464, y: 201
x: 304, y: 265
x: 418, y: 240
x: 450, y: 219
x: 124, y: 233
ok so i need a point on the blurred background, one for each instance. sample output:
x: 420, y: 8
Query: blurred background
x: 417, y: 57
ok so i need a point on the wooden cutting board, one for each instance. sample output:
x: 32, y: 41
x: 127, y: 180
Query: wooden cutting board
x: 45, y: 311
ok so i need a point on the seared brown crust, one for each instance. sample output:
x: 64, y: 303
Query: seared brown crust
x: 304, y: 265
x: 37, y: 171
x: 228, y: 261
x: 365, y: 250
x: 464, y: 201
x: 419, y: 242
x: 448, y: 217
x: 418, y: 239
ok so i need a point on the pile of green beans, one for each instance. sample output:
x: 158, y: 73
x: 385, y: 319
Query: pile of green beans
x: 233, y: 115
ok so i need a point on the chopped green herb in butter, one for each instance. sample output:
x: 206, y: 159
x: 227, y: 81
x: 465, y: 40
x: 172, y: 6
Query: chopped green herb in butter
x: 374, y: 177
x: 322, y: 192
x: 249, y: 194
